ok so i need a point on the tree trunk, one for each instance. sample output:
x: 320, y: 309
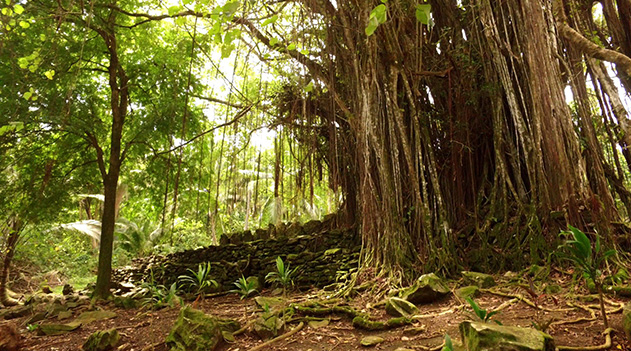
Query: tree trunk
x: 14, y: 227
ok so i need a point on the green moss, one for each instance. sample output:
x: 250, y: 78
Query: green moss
x: 362, y: 322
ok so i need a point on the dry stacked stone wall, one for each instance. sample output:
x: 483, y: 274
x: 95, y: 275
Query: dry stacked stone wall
x: 319, y: 253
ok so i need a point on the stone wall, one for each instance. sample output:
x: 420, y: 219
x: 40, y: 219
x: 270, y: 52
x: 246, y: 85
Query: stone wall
x: 317, y: 252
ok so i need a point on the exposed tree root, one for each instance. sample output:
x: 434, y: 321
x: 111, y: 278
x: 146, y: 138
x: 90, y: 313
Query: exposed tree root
x: 245, y: 328
x: 525, y: 300
x: 604, y: 346
x: 278, y: 338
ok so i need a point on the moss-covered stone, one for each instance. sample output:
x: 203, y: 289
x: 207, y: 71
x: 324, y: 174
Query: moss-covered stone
x: 481, y: 280
x: 271, y: 303
x: 479, y: 336
x: 399, y: 307
x: 269, y: 325
x: 196, y: 331
x: 468, y: 291
x: 102, y: 340
x: 426, y: 289
x: 371, y: 341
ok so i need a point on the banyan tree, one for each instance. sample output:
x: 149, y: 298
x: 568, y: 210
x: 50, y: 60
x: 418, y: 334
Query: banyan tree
x: 465, y: 132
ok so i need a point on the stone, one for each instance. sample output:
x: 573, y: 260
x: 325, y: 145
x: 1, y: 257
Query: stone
x: 16, y: 312
x: 319, y: 324
x: 478, y: 336
x: 481, y: 280
x: 468, y: 291
x: 312, y: 227
x: 398, y: 307
x: 64, y: 315
x: 271, y: 303
x: 269, y: 325
x: 626, y: 320
x: 46, y: 289
x: 93, y: 316
x: 102, y: 340
x: 427, y: 288
x: 56, y: 329
x: 9, y: 338
x: 196, y: 331
x: 371, y: 340
x: 67, y: 290
x: 261, y: 234
x: 294, y: 230
x: 247, y: 236
x: 39, y: 316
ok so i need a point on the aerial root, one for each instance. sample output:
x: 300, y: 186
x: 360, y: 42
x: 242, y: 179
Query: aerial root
x: 604, y: 346
x: 278, y: 338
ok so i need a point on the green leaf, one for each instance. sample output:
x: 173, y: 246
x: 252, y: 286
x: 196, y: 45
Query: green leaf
x: 173, y: 10
x: 230, y: 8
x: 42, y: 37
x: 24, y: 24
x: 270, y: 20
x: 28, y: 95
x: 23, y: 62
x: 308, y: 88
x: 273, y: 41
x: 448, y: 344
x: 581, y: 243
x: 379, y: 12
x: 18, y: 9
x: 291, y: 47
x: 8, y: 2
x: 6, y: 11
x: 423, y: 13
x: 50, y: 74
x: 304, y: 51
x: 373, y: 23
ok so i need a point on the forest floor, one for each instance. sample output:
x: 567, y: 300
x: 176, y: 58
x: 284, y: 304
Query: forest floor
x: 573, y: 316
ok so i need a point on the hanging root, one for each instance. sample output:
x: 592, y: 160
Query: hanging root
x: 604, y: 346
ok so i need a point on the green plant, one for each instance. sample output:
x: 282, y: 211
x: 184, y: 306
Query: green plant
x: 32, y: 327
x: 481, y: 313
x: 159, y: 295
x: 282, y: 276
x: 245, y: 288
x: 589, y: 261
x: 200, y: 279
x: 448, y: 344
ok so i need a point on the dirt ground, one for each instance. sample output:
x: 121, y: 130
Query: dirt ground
x: 574, y: 321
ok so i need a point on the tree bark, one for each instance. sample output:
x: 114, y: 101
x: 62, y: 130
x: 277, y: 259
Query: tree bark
x: 14, y: 227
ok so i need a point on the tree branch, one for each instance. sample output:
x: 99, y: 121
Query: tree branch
x: 237, y: 117
x: 99, y: 153
x: 592, y: 50
x: 212, y: 99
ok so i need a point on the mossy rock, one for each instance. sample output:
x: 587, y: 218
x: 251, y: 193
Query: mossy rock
x: 196, y: 331
x: 269, y: 325
x: 271, y: 303
x: 399, y: 307
x: 482, y: 280
x: 102, y: 340
x: 478, y: 336
x: 468, y: 291
x: 626, y: 320
x: 371, y: 341
x: 426, y: 289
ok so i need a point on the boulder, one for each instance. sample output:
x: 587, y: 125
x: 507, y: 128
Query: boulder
x: 399, y: 307
x: 56, y: 329
x: 481, y: 280
x: 478, y: 336
x: 102, y: 340
x: 425, y: 289
x: 626, y: 320
x: 16, y: 312
x: 294, y: 230
x: 247, y: 236
x: 269, y: 303
x: 255, y: 281
x: 468, y: 291
x: 269, y: 325
x: 196, y: 331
